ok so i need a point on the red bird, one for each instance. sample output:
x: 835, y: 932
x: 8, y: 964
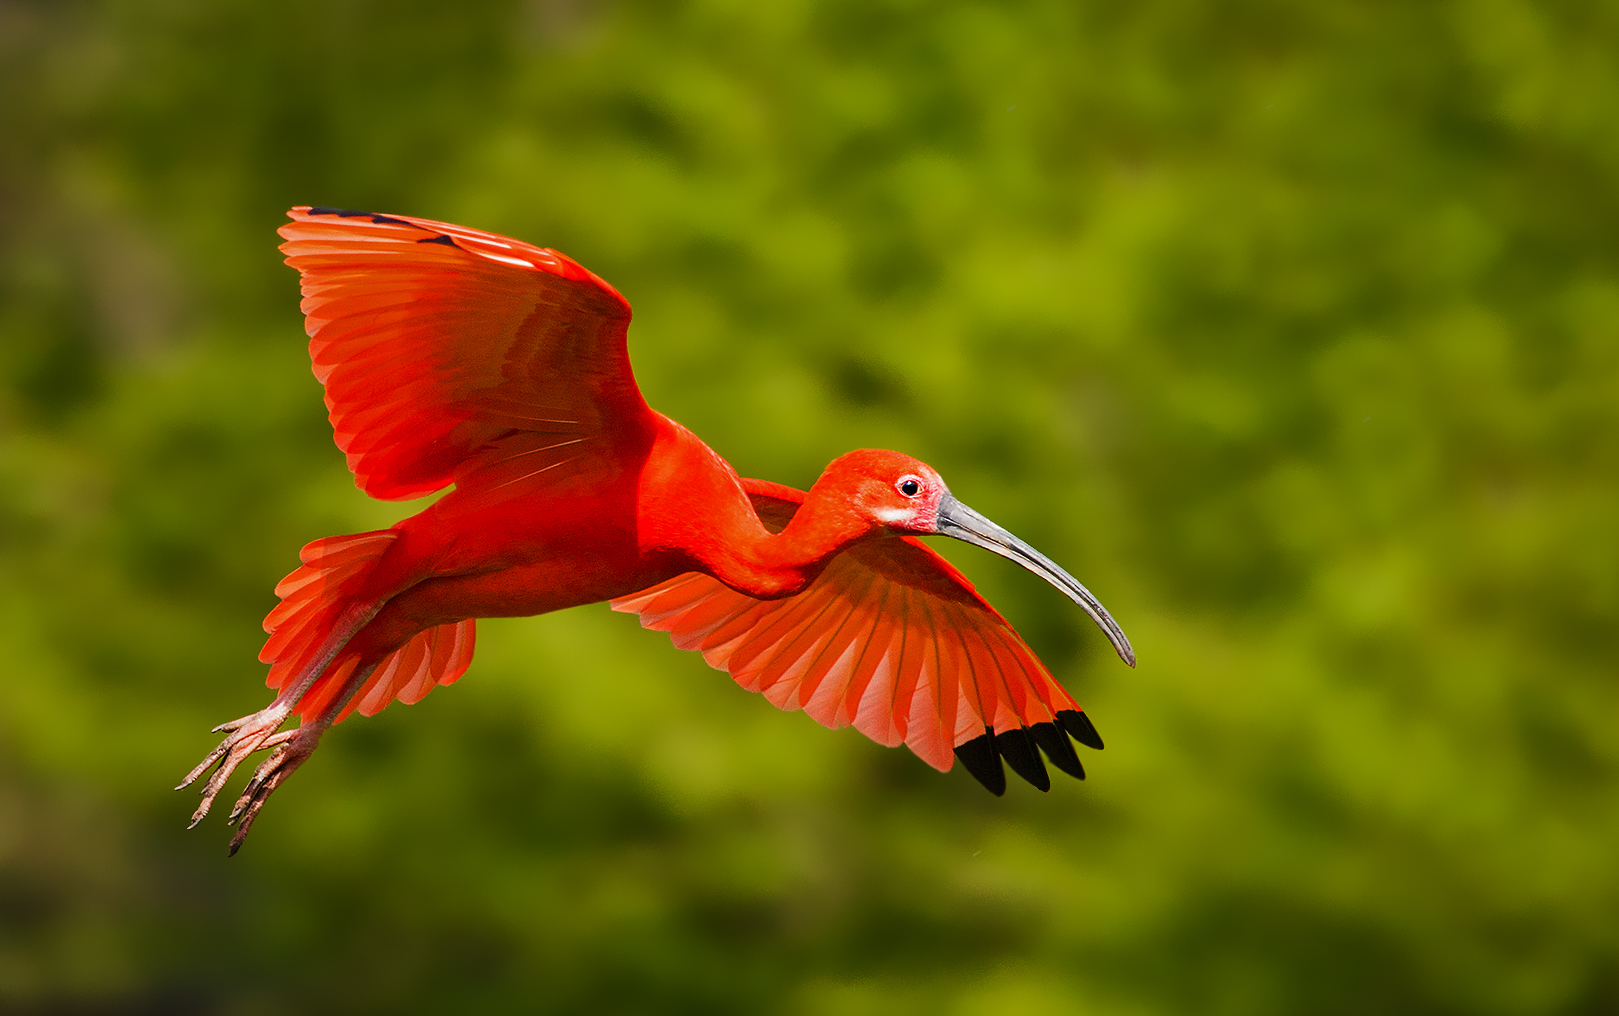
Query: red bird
x: 455, y: 356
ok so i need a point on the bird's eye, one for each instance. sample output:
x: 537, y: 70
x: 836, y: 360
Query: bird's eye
x: 910, y: 486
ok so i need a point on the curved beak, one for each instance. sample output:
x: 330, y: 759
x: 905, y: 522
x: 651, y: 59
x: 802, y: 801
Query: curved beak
x: 958, y: 521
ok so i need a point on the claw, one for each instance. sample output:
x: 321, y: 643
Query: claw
x: 293, y: 748
x: 203, y: 766
x: 268, y: 768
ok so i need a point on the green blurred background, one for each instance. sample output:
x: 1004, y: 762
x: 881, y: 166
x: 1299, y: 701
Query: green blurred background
x: 1292, y: 329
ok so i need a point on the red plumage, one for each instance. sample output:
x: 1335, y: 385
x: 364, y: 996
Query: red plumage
x: 831, y: 649
x: 454, y: 356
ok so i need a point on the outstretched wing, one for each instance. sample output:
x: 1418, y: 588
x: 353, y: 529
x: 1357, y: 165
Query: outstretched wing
x: 454, y: 355
x: 891, y: 639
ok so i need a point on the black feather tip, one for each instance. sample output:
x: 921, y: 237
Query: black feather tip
x: 1017, y: 747
x: 1080, y: 729
x: 1054, y: 742
x: 981, y: 759
x: 349, y: 213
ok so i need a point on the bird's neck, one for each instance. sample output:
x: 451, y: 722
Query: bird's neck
x: 691, y: 503
x: 781, y: 564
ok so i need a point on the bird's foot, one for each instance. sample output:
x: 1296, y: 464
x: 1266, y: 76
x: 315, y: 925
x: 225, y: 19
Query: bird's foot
x: 245, y: 736
x: 292, y: 748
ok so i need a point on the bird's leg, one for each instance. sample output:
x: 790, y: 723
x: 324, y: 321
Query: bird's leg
x: 251, y: 733
x: 292, y: 749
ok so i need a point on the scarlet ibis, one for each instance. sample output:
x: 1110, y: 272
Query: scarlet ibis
x: 453, y: 356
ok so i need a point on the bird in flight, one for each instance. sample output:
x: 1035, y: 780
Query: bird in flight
x: 453, y: 356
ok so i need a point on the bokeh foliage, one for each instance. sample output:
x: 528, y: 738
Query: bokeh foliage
x: 1292, y: 328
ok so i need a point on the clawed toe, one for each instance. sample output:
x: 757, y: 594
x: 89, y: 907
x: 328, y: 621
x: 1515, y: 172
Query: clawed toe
x: 293, y: 747
x: 245, y: 736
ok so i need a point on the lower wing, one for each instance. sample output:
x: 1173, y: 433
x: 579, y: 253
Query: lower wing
x: 891, y: 639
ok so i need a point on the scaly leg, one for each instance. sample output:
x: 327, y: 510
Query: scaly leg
x: 259, y: 730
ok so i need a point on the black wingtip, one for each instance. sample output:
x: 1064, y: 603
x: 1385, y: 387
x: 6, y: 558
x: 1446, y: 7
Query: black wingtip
x: 1017, y: 747
x: 1080, y: 728
x: 350, y: 213
x: 981, y: 759
x: 443, y: 238
x: 1058, y: 749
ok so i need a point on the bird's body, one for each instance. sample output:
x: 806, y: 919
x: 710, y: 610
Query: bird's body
x: 608, y: 531
x: 454, y: 356
x: 467, y: 556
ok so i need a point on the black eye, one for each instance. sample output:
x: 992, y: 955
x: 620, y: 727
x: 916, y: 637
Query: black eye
x: 910, y: 486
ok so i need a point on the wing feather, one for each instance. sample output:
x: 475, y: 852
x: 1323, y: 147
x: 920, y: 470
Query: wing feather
x: 440, y: 346
x: 870, y: 690
x: 825, y: 702
x: 801, y: 659
x: 930, y: 727
x: 890, y: 639
x: 840, y: 635
x: 421, y: 680
x: 773, y: 636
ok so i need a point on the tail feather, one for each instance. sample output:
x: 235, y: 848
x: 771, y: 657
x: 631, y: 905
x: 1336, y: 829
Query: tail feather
x: 431, y: 658
x: 319, y: 697
x: 314, y: 596
x: 319, y: 613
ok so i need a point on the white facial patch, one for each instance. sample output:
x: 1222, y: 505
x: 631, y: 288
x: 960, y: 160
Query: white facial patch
x: 889, y: 516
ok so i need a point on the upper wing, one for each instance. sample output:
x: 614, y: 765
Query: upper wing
x: 890, y: 638
x: 447, y: 352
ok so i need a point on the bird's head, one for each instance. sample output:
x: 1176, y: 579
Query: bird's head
x: 899, y: 494
x: 886, y: 490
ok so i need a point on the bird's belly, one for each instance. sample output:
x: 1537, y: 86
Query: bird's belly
x: 524, y: 589
x: 521, y: 560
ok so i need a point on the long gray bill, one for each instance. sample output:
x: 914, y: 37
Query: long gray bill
x: 958, y: 521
